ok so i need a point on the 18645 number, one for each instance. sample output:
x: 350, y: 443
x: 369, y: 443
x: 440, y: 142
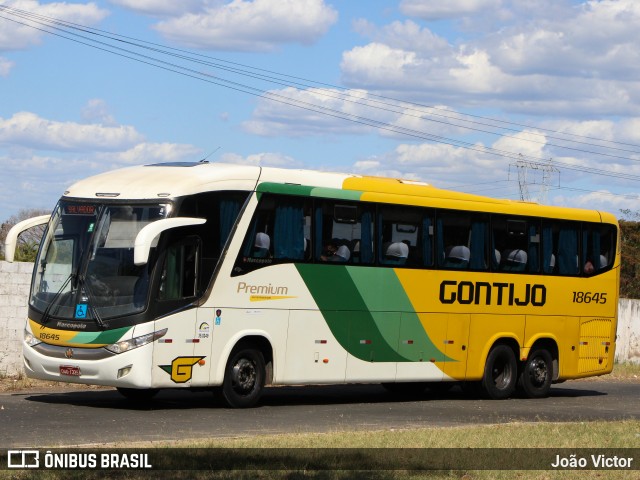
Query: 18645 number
x: 589, y: 297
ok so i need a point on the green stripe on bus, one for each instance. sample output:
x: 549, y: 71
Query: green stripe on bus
x: 383, y: 292
x: 346, y: 313
x: 336, y: 193
x: 284, y: 189
x: 367, y: 310
x: 305, y: 191
x: 100, y: 338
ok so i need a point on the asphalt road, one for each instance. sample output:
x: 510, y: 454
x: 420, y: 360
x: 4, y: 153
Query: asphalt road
x: 100, y: 417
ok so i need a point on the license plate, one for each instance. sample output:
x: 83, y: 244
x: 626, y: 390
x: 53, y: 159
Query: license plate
x: 69, y: 370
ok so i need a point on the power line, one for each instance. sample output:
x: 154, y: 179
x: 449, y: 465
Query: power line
x: 68, y: 30
x: 276, y: 77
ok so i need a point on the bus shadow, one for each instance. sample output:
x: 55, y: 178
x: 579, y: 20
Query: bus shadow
x: 283, y: 396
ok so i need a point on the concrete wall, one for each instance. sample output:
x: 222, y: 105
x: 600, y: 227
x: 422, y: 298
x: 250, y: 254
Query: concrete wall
x: 15, y: 280
x: 628, y: 346
x: 14, y: 292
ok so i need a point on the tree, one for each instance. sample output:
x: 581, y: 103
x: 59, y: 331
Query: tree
x: 630, y: 244
x: 29, y: 240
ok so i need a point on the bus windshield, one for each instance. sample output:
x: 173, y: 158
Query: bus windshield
x: 85, y: 268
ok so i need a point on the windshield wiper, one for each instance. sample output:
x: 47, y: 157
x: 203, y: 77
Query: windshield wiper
x: 45, y: 314
x: 84, y: 285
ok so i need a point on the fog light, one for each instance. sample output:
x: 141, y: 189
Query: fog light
x: 124, y: 371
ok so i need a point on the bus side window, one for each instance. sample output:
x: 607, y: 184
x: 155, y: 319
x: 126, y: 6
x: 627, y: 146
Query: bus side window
x: 597, y: 247
x: 180, y: 270
x: 515, y: 244
x: 402, y: 238
x: 343, y: 232
x: 560, y: 248
x: 290, y: 225
x: 280, y: 232
x: 461, y: 240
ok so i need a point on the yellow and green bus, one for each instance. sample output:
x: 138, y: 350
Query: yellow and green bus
x: 229, y: 277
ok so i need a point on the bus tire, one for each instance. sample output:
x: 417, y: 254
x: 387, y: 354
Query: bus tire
x: 244, y: 378
x: 535, y: 378
x: 500, y: 373
x: 137, y: 394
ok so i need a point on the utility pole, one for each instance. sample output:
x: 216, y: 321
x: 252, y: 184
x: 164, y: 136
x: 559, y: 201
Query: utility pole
x: 535, y: 173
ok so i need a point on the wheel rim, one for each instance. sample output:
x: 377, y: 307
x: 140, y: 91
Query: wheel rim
x: 538, y: 372
x: 502, y: 374
x: 244, y: 376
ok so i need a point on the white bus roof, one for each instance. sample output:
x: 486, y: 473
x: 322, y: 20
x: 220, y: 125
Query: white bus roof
x: 172, y: 180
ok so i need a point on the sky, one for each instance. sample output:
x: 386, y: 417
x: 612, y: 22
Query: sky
x: 506, y: 98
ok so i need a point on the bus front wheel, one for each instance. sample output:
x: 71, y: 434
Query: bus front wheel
x: 244, y: 378
x: 500, y: 373
x: 535, y: 379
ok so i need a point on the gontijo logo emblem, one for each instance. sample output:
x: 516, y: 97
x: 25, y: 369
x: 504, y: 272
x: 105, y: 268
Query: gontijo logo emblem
x: 181, y: 369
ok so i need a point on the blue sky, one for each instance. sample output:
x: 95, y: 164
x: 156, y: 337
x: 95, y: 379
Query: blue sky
x: 559, y: 77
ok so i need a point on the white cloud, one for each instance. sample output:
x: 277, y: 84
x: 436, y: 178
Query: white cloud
x: 552, y: 57
x: 603, y: 200
x: 145, y: 153
x: 14, y: 36
x: 5, y: 67
x: 37, y: 181
x: 272, y: 118
x: 435, y: 10
x: 28, y: 130
x: 598, y: 39
x: 406, y: 35
x: 342, y: 112
x: 158, y: 7
x: 251, y: 25
x: 437, y: 164
x: 261, y: 159
x: 97, y: 111
x: 526, y: 143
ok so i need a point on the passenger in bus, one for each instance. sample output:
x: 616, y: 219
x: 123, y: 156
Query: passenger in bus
x: 514, y: 260
x: 261, y: 245
x: 457, y: 257
x: 335, y: 253
x: 396, y: 254
x: 590, y: 269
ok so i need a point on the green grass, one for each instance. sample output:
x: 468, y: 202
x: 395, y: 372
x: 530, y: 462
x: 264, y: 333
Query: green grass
x: 619, y: 434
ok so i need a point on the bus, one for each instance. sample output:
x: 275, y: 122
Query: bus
x: 230, y: 278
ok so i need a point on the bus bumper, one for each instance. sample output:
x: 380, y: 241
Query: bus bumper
x: 89, y: 366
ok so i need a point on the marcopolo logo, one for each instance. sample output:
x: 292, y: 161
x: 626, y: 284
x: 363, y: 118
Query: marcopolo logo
x: 496, y: 293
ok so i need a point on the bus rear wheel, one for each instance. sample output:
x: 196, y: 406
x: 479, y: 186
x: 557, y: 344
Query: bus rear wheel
x: 244, y: 378
x: 535, y: 378
x: 500, y: 373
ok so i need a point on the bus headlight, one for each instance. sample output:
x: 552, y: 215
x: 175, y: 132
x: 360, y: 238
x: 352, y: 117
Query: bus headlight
x: 126, y: 345
x: 30, y: 339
